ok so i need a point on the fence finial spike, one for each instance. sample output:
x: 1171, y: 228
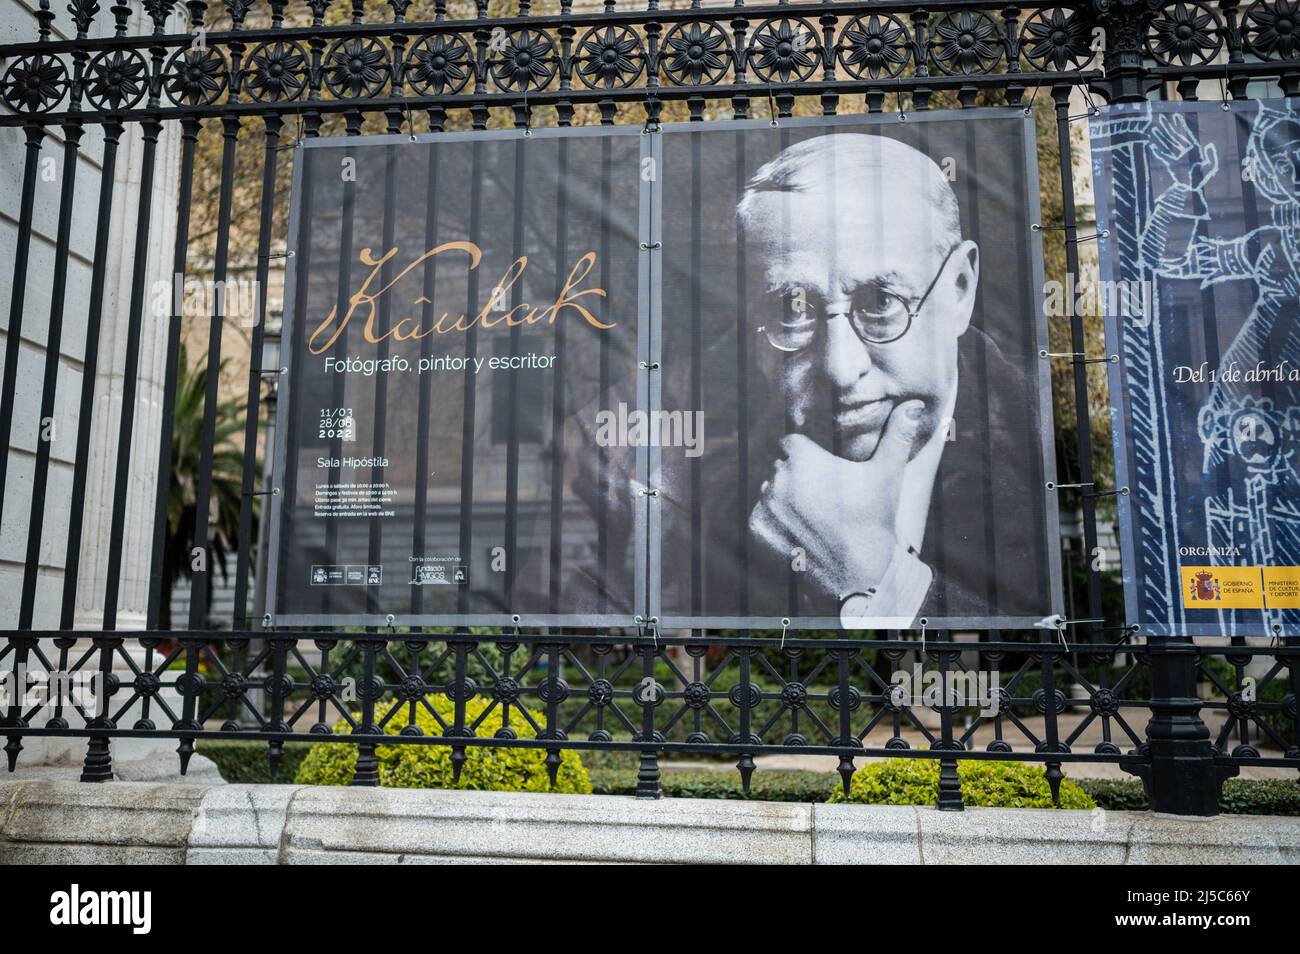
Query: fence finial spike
x: 846, y: 771
x: 552, y: 765
x: 185, y: 750
x: 12, y: 747
x: 1054, y: 778
x: 746, y: 767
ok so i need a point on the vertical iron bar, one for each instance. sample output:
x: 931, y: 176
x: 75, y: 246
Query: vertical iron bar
x: 1083, y: 416
x: 256, y: 357
x: 17, y: 299
x: 200, y: 576
x: 559, y: 408
x: 53, y: 346
x: 190, y: 127
x: 378, y: 445
x: 697, y: 373
x: 89, y: 370
x: 466, y: 529
x: 742, y: 395
x: 602, y: 452
x: 426, y: 351
x: 512, y: 386
x: 151, y: 129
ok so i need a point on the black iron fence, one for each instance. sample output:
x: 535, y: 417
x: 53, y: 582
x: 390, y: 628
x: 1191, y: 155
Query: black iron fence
x: 1182, y: 716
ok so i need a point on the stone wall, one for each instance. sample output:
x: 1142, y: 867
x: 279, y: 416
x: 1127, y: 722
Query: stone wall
x: 125, y: 823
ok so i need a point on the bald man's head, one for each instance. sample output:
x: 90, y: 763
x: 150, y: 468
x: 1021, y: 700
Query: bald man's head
x: 869, y: 283
x: 830, y: 167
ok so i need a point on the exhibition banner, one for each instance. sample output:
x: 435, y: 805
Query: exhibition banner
x: 718, y: 374
x: 1199, y: 214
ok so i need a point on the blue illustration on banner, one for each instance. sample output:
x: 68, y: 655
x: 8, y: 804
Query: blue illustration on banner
x: 1199, y: 207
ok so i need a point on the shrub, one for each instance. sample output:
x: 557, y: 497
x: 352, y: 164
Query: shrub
x: 1244, y: 796
x: 767, y: 785
x: 246, y: 762
x: 983, y: 783
x: 1240, y: 796
x: 1116, y: 794
x: 429, y: 766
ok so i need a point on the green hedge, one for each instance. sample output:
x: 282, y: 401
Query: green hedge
x: 1116, y: 795
x: 247, y: 762
x: 1240, y: 796
x: 429, y: 766
x: 983, y: 783
x: 772, y: 785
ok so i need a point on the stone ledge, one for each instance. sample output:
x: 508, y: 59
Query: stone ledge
x: 132, y: 822
x: 109, y: 823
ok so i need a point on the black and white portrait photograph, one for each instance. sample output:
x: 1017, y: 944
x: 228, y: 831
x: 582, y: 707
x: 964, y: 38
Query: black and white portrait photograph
x: 854, y: 310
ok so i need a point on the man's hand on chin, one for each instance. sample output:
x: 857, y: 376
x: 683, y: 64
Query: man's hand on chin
x: 839, y: 512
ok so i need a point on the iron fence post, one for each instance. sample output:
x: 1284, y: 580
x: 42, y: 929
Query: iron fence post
x: 1181, y: 777
x: 1126, y: 23
x: 950, y: 799
x: 647, y: 777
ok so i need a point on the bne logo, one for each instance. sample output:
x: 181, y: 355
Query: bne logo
x: 102, y: 907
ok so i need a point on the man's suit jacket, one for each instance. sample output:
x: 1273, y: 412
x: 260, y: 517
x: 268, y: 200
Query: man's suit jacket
x: 985, y: 537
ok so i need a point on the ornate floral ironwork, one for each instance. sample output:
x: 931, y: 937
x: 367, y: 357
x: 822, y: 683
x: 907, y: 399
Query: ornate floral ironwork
x: 609, y: 57
x: 1186, y: 32
x: 116, y: 79
x: 276, y: 71
x: 1057, y: 39
x: 506, y: 690
x: 35, y: 83
x: 785, y: 51
x: 159, y: 11
x: 357, y: 67
x: 600, y: 693
x: 966, y: 41
x: 196, y: 76
x: 779, y: 48
x: 696, y: 54
x: 1271, y: 29
x: 83, y: 14
x: 439, y: 65
x: 238, y: 10
x: 526, y: 62
x: 875, y: 46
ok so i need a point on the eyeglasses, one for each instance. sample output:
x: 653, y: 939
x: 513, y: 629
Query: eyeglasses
x: 877, y: 315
